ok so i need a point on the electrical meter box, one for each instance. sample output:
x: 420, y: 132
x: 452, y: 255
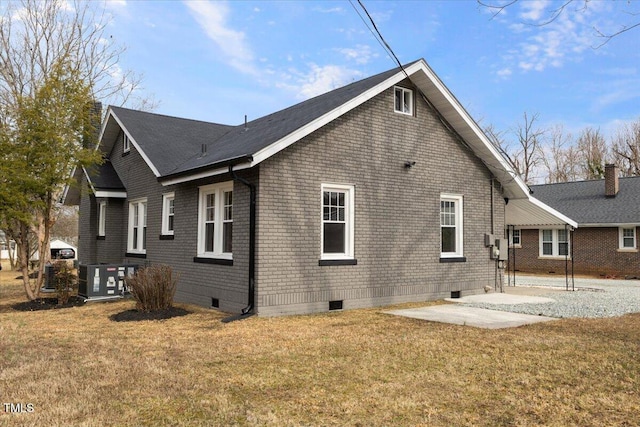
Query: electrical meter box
x: 103, y: 280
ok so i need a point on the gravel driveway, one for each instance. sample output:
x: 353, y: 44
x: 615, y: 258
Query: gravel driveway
x: 591, y: 298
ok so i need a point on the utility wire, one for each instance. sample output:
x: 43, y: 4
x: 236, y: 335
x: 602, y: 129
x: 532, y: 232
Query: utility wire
x: 380, y: 39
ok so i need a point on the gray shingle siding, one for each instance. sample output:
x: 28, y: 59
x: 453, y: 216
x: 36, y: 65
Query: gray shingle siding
x: 397, y: 225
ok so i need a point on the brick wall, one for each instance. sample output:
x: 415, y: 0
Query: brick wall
x: 397, y: 225
x: 595, y: 252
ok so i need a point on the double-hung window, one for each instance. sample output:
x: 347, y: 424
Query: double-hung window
x: 168, y: 213
x: 102, y: 218
x: 337, y: 230
x: 627, y: 238
x: 403, y: 99
x: 516, y: 238
x: 451, y: 230
x: 554, y: 243
x: 137, y: 235
x: 215, y: 221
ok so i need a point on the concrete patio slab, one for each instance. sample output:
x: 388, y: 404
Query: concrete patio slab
x: 500, y: 298
x: 471, y: 316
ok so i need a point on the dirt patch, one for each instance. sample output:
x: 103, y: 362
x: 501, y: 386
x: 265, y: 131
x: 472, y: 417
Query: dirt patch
x: 47, y: 304
x: 135, y: 315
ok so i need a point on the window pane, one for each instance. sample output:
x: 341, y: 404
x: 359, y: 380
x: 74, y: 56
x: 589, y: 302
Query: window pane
x: 547, y: 248
x: 135, y: 238
x: 563, y: 249
x: 398, y: 96
x: 208, y: 237
x: 448, y: 239
x: 210, y: 208
x: 170, y: 224
x: 334, y: 238
x: 227, y: 231
x: 228, y: 205
x: 547, y: 235
x: 562, y: 235
x: 144, y: 237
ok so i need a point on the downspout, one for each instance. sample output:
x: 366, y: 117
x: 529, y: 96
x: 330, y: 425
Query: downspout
x: 252, y: 240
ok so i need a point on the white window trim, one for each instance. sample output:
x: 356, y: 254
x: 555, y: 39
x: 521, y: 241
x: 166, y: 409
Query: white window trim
x: 405, y: 91
x: 459, y: 200
x: 555, y: 244
x: 142, y: 203
x: 218, y: 190
x: 349, y: 244
x: 102, y: 218
x: 126, y: 143
x: 166, y: 199
x: 621, y: 247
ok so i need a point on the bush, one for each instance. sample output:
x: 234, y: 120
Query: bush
x: 153, y: 287
x: 64, y: 280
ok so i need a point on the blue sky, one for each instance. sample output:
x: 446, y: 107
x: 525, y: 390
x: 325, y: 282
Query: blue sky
x: 217, y: 61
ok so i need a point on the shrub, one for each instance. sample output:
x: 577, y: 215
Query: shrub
x: 153, y: 287
x: 64, y: 280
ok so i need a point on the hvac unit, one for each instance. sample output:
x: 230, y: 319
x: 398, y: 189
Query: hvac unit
x: 97, y: 281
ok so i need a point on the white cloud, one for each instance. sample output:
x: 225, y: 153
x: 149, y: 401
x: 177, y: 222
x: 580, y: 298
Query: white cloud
x: 533, y: 10
x: 317, y: 80
x: 212, y: 18
x: 361, y: 54
x: 504, y: 73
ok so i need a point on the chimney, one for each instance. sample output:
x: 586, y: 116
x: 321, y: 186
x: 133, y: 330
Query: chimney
x: 611, y: 185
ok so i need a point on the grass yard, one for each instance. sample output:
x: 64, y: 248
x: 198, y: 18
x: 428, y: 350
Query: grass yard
x: 356, y: 368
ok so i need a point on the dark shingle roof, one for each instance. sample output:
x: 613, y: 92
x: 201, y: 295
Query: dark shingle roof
x: 585, y: 202
x: 104, y: 177
x: 174, y: 145
x: 168, y: 141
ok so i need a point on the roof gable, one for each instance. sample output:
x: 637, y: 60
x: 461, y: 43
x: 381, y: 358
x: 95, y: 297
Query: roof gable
x: 173, y: 147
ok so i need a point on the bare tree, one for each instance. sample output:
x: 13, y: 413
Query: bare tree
x: 525, y: 153
x: 593, y: 151
x: 561, y: 158
x: 626, y: 148
x: 55, y: 57
x: 631, y: 12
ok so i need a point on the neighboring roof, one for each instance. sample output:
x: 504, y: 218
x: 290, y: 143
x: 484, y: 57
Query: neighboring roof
x: 173, y: 147
x: 585, y: 202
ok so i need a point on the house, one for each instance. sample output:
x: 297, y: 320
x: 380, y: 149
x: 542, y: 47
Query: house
x: 7, y: 247
x: 606, y: 242
x: 379, y: 192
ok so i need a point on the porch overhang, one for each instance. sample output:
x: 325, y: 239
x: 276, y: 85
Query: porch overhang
x: 532, y: 213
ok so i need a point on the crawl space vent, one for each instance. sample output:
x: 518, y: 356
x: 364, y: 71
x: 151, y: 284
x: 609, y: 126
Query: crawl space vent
x: 335, y: 305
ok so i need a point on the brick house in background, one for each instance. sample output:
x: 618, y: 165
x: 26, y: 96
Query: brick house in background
x: 606, y: 242
x: 382, y: 191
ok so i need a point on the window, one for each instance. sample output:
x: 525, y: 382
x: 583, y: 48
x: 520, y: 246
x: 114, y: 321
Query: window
x: 337, y: 232
x: 554, y: 243
x: 137, y: 236
x: 126, y: 144
x: 403, y: 100
x: 627, y: 238
x: 167, y: 213
x: 102, y: 218
x: 451, y: 226
x: 215, y: 221
x: 515, y: 237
